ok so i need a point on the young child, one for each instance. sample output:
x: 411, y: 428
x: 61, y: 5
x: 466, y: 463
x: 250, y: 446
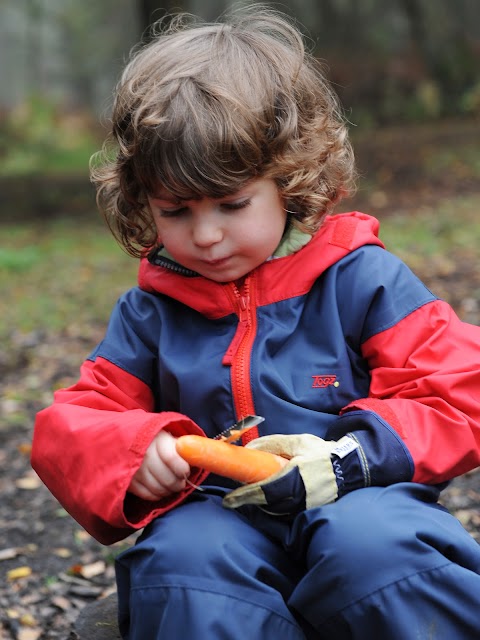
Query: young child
x: 231, y: 152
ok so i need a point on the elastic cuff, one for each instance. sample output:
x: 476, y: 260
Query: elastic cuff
x: 351, y: 471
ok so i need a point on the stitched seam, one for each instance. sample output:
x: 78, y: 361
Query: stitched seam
x: 401, y: 316
x: 386, y: 586
x: 117, y: 363
x: 222, y: 593
x: 363, y: 461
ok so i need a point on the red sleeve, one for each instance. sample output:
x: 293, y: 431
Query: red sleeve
x: 88, y: 445
x: 425, y: 382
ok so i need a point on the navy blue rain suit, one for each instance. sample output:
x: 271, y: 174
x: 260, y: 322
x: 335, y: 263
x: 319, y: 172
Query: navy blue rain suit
x: 337, y: 338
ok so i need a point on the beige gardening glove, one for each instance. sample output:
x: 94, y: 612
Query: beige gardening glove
x: 308, y: 480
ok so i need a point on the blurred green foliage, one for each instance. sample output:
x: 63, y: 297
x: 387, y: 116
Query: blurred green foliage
x: 61, y: 274
x: 36, y: 137
x: 452, y: 225
x: 66, y: 275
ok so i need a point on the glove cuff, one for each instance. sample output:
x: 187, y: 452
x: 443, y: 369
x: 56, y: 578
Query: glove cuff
x: 350, y: 466
x: 318, y: 492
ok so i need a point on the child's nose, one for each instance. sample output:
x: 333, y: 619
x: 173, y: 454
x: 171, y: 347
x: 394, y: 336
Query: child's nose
x: 206, y: 232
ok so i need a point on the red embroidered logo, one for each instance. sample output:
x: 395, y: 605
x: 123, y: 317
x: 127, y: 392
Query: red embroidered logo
x: 320, y: 382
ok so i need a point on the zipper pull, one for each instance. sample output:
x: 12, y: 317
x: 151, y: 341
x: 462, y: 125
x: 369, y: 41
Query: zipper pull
x: 241, y: 305
x: 235, y: 343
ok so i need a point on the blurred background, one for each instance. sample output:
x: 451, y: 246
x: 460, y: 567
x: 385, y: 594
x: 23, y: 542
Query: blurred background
x: 394, y: 63
x: 408, y: 75
x: 390, y: 59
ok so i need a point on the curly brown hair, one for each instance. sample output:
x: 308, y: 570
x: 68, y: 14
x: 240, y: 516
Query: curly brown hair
x: 203, y: 108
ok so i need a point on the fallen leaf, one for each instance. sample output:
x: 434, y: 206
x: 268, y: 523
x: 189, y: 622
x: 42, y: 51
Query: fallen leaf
x: 61, y: 603
x: 19, y: 572
x: 81, y: 536
x: 27, y: 620
x: 464, y: 515
x: 476, y: 518
x: 75, y: 570
x: 70, y: 577
x: 91, y: 570
x: 62, y: 552
x: 25, y: 448
x: 29, y: 634
x: 31, y: 599
x: 29, y: 482
x: 8, y: 554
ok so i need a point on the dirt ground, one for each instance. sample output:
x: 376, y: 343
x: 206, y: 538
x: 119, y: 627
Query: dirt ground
x: 49, y: 567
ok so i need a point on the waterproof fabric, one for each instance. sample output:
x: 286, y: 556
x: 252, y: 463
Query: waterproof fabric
x: 379, y: 563
x: 337, y: 338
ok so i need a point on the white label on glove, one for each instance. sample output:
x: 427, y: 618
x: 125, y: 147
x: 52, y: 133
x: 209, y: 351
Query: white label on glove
x: 345, y: 446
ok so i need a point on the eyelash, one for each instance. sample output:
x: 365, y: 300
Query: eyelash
x: 235, y: 206
x: 229, y: 206
x: 172, y: 213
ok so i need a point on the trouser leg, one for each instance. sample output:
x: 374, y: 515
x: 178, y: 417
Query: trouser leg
x: 387, y: 563
x: 202, y: 572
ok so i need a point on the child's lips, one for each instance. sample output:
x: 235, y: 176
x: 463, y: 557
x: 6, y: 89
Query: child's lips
x: 218, y: 262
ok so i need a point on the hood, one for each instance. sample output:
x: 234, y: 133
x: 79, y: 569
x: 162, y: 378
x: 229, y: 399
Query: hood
x: 277, y: 279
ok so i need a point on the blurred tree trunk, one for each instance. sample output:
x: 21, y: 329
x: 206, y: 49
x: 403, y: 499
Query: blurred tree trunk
x: 151, y: 10
x: 448, y: 55
x: 418, y: 31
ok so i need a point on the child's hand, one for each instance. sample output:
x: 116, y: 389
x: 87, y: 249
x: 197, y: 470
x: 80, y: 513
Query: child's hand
x: 163, y: 471
x: 307, y: 480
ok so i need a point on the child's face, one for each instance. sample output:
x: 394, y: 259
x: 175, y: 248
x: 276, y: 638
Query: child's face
x: 222, y: 239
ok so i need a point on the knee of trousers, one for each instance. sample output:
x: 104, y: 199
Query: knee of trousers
x: 200, y: 542
x: 375, y: 537
x: 201, y: 567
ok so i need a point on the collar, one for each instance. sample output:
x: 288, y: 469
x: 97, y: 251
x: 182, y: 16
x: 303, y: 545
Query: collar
x: 276, y: 279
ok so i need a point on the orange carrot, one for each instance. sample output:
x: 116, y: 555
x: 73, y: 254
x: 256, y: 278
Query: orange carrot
x: 229, y: 460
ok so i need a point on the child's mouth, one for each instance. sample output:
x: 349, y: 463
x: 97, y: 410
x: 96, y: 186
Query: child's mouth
x: 217, y: 262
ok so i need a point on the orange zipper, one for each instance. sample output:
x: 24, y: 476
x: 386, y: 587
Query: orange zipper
x: 238, y: 353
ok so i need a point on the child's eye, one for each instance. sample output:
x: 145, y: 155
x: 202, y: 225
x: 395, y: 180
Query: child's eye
x: 172, y: 213
x: 234, y: 206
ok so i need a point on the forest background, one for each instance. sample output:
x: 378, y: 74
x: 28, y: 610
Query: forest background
x: 408, y: 75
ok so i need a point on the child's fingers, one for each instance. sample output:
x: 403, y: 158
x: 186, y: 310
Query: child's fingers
x: 162, y: 472
x: 162, y: 477
x: 142, y: 491
x: 166, y: 450
x: 156, y: 483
